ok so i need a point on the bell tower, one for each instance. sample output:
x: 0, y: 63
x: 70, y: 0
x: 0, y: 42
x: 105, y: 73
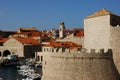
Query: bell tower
x: 62, y: 30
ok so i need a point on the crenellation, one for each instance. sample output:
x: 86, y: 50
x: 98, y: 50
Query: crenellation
x: 55, y: 50
x: 92, y: 50
x: 60, y: 50
x: 67, y: 62
x: 83, y: 53
x: 83, y: 50
x: 67, y: 50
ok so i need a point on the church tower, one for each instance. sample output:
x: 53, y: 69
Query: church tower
x: 62, y: 30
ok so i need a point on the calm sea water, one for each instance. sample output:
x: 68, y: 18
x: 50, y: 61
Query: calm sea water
x: 9, y: 73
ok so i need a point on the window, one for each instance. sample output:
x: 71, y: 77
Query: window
x: 41, y: 58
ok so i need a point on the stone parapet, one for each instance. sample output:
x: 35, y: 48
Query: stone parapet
x: 79, y: 65
x: 60, y: 52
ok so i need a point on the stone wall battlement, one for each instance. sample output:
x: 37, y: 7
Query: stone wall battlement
x: 82, y: 53
x: 79, y: 65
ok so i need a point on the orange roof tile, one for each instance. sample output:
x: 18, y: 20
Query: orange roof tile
x: 30, y: 34
x: 29, y: 29
x: 2, y: 40
x: 62, y: 44
x: 27, y: 33
x: 79, y: 34
x: 101, y: 12
x: 35, y: 34
x: 27, y: 41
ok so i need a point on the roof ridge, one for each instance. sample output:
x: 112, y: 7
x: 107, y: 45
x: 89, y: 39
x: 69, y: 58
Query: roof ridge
x: 101, y: 12
x: 27, y: 40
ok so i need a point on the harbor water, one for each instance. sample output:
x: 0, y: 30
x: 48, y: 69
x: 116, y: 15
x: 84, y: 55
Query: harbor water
x: 10, y: 73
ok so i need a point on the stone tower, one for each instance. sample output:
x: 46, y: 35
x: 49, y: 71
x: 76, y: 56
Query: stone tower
x: 97, y: 30
x: 102, y: 31
x: 62, y: 30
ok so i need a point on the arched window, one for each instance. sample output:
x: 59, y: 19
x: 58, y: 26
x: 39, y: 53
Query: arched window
x: 6, y: 52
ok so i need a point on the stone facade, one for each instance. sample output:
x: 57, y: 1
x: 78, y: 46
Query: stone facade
x: 97, y: 33
x: 12, y: 46
x: 22, y: 50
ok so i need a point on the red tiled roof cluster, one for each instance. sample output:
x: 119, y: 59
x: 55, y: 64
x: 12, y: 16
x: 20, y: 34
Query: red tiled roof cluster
x: 27, y: 41
x: 30, y: 34
x: 74, y: 30
x: 79, y: 34
x: 35, y: 34
x: 28, y: 29
x: 26, y: 33
x: 63, y: 44
x: 2, y: 40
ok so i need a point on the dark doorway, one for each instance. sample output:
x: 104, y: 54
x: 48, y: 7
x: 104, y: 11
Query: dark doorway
x: 6, y: 52
x: 0, y: 53
x: 38, y: 58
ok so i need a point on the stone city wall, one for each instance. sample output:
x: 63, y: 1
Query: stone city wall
x: 115, y: 45
x: 79, y: 66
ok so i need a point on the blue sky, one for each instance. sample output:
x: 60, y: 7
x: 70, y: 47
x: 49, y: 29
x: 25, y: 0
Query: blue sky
x: 47, y: 14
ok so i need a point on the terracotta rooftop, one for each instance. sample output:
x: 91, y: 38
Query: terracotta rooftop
x: 27, y: 29
x: 79, y: 34
x: 62, y: 44
x: 27, y: 41
x: 2, y: 40
x: 30, y: 34
x: 35, y: 34
x: 24, y: 33
x: 101, y: 12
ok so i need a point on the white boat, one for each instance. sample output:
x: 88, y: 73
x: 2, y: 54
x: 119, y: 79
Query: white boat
x: 29, y: 71
x: 1, y: 79
x: 24, y: 67
x: 26, y: 71
x: 33, y: 77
